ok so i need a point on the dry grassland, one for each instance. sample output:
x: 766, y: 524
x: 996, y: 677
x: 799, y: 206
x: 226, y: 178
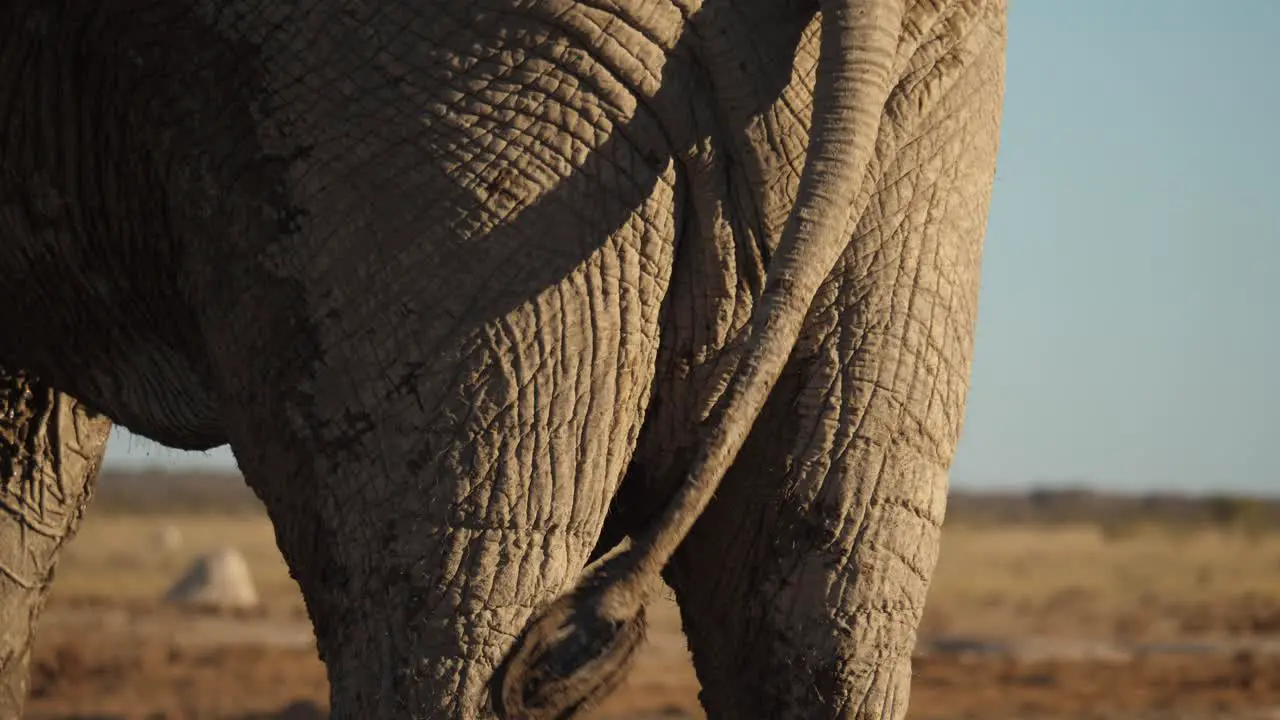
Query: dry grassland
x: 1071, y: 618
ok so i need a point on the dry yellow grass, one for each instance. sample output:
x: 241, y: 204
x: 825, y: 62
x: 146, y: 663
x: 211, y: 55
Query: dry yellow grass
x: 1006, y: 581
x: 982, y: 571
x: 120, y: 557
x: 1032, y: 563
x: 1143, y: 584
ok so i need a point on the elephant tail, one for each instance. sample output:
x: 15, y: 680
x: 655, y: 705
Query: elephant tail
x: 577, y: 648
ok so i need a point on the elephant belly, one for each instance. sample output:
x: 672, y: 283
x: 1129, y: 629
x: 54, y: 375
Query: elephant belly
x: 157, y: 393
x: 99, y: 343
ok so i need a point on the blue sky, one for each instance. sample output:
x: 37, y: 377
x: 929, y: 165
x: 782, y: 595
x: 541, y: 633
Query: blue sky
x: 1129, y: 330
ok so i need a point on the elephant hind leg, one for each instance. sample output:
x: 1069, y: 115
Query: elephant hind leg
x: 804, y: 582
x: 808, y: 608
x: 51, y: 447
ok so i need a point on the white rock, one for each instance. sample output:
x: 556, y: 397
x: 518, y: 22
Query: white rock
x: 169, y: 538
x: 219, y: 580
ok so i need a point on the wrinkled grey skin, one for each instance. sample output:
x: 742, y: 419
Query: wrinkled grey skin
x: 477, y: 290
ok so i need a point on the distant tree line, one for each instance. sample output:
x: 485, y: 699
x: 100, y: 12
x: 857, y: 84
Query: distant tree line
x: 158, y: 491
x: 164, y: 491
x: 1084, y: 506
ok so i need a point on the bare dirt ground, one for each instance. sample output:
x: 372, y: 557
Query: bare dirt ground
x: 1146, y: 624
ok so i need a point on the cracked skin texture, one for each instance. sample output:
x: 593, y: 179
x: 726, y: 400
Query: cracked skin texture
x: 50, y: 450
x: 465, y: 286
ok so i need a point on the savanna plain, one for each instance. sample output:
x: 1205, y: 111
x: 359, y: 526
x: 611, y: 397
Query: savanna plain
x: 1048, y: 605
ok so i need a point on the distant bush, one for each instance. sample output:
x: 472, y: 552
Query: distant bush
x: 1236, y: 512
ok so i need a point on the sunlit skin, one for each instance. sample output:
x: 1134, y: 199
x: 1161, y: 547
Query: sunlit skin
x: 477, y: 290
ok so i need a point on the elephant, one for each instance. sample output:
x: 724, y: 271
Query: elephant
x: 511, y: 310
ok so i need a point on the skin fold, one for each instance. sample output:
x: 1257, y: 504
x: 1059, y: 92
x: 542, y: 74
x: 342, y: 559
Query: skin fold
x: 477, y: 290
